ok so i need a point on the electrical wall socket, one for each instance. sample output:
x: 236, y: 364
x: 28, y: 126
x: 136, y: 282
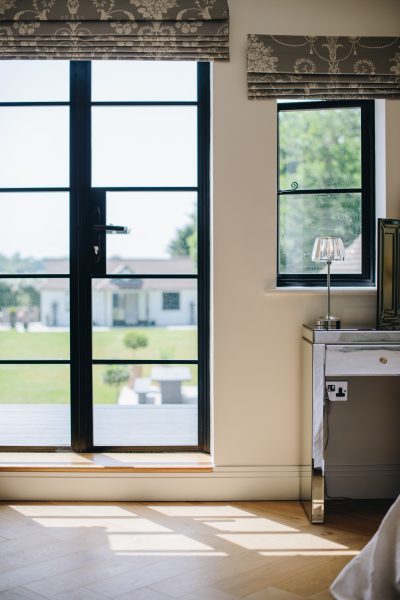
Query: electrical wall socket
x: 337, y: 391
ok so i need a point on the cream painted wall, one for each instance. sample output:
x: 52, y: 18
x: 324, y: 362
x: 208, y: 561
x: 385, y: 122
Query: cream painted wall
x: 256, y: 350
x: 257, y: 334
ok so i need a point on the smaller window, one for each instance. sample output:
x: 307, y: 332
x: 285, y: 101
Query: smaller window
x: 171, y: 301
x: 326, y: 188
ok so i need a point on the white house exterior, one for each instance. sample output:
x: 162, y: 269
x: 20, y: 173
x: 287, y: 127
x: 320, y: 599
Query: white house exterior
x: 127, y: 302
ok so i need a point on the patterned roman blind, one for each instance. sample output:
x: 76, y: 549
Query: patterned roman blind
x: 281, y: 66
x: 131, y: 29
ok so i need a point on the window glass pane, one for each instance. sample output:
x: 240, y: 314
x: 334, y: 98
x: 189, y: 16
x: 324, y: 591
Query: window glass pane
x: 34, y: 81
x: 34, y: 232
x: 127, y: 80
x: 144, y: 146
x: 34, y: 146
x: 320, y: 149
x: 34, y: 319
x: 145, y: 405
x: 34, y: 405
x: 166, y: 244
x: 132, y: 321
x: 303, y: 218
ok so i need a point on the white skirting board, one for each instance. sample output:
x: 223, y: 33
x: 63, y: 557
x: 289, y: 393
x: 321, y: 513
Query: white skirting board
x: 224, y: 484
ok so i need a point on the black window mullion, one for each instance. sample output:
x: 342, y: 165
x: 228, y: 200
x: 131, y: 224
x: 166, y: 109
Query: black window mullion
x: 138, y: 361
x: 34, y: 189
x: 80, y: 179
x: 203, y: 252
x: 368, y: 214
x: 146, y: 103
x: 146, y: 189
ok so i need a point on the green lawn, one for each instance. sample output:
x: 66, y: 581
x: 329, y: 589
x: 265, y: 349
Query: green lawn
x: 163, y: 344
x: 50, y: 383
x: 34, y: 384
x: 25, y: 345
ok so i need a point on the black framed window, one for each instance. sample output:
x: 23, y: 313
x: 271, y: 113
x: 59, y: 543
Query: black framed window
x: 89, y: 359
x: 326, y: 187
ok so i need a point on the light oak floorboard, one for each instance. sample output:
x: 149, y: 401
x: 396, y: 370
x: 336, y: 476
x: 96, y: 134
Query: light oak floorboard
x: 185, y: 551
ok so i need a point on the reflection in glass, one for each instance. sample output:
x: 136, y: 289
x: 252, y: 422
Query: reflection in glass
x: 144, y: 146
x: 34, y: 231
x: 166, y: 244
x: 389, y: 246
x: 303, y: 218
x: 34, y: 405
x: 145, y: 319
x: 34, y: 81
x: 34, y: 319
x: 128, y: 80
x: 145, y: 405
x: 320, y: 149
x: 34, y: 148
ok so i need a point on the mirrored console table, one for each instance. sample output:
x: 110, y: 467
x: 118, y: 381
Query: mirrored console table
x: 334, y: 353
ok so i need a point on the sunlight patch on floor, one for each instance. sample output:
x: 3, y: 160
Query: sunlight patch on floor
x: 60, y: 510
x: 278, y: 541
x: 116, y: 524
x: 200, y: 511
x: 255, y: 524
x: 158, y: 543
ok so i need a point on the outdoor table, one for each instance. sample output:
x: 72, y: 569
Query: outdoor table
x: 170, y: 379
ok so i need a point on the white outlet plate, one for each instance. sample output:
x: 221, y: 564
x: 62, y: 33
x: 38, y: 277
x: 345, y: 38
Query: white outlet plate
x: 337, y: 391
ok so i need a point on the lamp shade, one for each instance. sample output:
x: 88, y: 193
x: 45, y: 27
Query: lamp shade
x: 327, y: 248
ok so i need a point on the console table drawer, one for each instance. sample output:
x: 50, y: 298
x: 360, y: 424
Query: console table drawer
x: 362, y: 360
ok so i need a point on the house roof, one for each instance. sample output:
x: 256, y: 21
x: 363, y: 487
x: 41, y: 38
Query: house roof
x: 179, y: 265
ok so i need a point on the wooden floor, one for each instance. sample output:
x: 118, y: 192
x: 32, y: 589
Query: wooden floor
x: 190, y: 551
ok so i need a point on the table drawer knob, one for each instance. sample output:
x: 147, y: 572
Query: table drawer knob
x: 383, y: 360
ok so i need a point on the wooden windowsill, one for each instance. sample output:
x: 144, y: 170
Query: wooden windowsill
x: 70, y: 462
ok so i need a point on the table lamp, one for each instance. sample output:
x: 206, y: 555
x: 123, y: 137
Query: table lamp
x: 327, y: 249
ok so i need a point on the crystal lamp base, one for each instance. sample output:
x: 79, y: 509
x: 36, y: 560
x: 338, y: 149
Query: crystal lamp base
x: 328, y: 322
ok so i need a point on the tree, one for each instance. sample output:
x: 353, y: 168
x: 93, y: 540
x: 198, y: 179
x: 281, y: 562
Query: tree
x: 18, y: 295
x: 134, y: 340
x: 180, y: 244
x: 7, y: 296
x: 185, y: 241
x: 116, y: 376
x: 17, y: 264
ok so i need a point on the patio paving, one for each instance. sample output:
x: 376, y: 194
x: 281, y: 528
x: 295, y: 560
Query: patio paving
x: 140, y: 425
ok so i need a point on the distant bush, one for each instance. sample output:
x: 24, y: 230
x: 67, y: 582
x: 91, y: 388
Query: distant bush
x: 134, y: 340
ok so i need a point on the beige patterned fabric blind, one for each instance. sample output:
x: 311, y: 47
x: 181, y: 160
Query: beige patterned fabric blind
x: 281, y: 66
x: 131, y: 29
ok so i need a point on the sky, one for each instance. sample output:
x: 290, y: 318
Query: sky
x: 131, y: 146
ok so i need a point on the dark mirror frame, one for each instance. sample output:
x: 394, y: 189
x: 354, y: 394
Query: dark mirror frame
x: 388, y: 300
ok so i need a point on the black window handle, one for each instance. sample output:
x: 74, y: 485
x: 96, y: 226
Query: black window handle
x: 121, y: 229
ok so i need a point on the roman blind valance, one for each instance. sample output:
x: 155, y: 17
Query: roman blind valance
x: 281, y: 66
x: 131, y: 29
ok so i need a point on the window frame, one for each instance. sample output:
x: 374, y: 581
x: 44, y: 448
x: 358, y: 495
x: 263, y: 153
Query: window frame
x: 368, y: 229
x: 81, y: 271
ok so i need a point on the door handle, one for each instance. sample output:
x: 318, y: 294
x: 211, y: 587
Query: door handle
x: 121, y: 229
